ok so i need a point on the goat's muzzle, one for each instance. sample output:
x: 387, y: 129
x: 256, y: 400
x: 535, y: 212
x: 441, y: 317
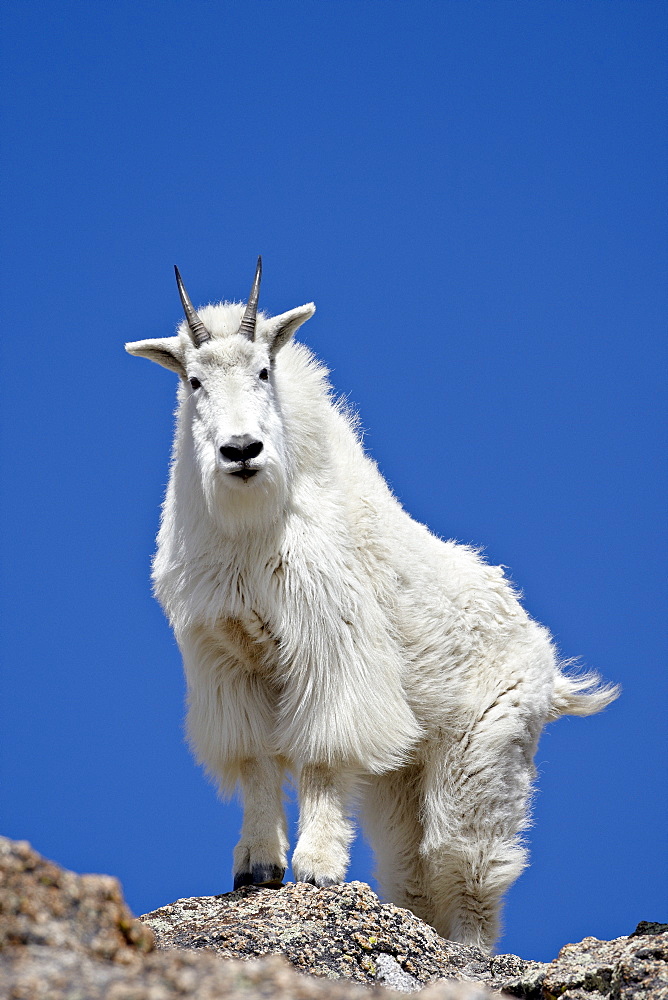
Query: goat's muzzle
x: 239, y: 453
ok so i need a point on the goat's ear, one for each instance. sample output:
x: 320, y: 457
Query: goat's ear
x: 166, y: 351
x: 279, y: 329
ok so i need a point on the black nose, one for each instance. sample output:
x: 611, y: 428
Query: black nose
x: 241, y: 448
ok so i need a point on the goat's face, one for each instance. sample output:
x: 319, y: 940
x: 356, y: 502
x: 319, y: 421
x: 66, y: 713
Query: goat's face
x: 234, y: 411
x: 229, y: 400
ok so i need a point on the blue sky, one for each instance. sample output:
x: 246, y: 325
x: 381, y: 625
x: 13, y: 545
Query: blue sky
x: 474, y: 196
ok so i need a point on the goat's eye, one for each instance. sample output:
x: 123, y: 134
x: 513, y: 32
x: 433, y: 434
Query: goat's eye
x: 264, y: 375
x: 194, y: 383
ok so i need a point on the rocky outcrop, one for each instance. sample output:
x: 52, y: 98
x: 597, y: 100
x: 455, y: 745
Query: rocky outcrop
x: 628, y: 968
x: 345, y: 931
x: 66, y: 936
x: 340, y: 932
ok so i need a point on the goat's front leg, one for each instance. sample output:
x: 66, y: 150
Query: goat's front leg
x: 260, y: 856
x: 325, y: 832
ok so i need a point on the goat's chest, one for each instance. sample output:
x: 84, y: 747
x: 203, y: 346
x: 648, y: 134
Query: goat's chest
x: 247, y: 618
x: 250, y: 642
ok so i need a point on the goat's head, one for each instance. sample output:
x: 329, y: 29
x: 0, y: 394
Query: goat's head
x: 225, y: 356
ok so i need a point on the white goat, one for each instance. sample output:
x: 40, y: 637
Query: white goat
x: 326, y: 633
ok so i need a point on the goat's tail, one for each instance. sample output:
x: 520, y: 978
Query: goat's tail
x: 582, y: 694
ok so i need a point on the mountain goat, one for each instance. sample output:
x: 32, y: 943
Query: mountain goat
x: 326, y: 633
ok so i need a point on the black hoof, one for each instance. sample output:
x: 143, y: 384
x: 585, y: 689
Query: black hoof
x: 269, y: 876
x: 241, y: 879
x: 322, y: 883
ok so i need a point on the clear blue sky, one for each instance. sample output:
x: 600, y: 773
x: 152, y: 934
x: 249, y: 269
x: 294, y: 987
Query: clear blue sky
x: 474, y: 195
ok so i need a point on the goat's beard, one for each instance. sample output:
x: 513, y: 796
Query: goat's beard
x: 237, y: 506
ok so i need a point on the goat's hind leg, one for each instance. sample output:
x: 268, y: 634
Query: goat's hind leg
x: 390, y: 810
x: 260, y: 857
x: 476, y: 793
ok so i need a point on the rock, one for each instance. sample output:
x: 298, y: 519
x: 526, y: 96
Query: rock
x: 649, y: 927
x: 43, y: 904
x: 52, y: 974
x: 346, y: 931
x: 390, y: 974
x: 71, y: 937
x: 626, y: 968
x: 336, y: 932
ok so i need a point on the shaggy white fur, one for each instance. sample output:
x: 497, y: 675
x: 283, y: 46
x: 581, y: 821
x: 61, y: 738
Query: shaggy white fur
x: 325, y: 632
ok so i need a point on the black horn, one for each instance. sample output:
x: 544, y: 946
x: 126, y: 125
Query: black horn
x: 247, y: 327
x: 198, y: 331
